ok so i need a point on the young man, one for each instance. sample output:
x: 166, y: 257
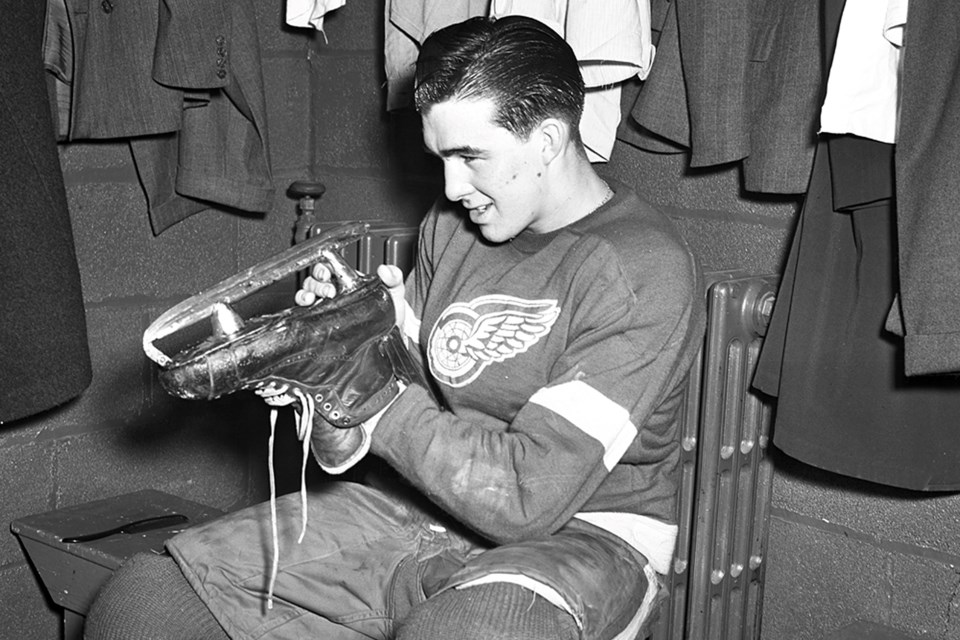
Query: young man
x: 557, y: 314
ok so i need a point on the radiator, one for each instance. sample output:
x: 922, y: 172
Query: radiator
x: 385, y: 244
x: 716, y: 586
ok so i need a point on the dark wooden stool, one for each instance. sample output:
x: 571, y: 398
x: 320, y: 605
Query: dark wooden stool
x: 73, y: 572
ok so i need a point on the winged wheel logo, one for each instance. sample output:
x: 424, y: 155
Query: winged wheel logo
x: 468, y: 337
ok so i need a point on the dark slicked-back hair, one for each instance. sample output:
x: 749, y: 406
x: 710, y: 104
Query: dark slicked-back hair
x: 521, y: 64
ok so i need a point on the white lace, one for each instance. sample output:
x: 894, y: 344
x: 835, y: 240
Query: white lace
x: 281, y: 396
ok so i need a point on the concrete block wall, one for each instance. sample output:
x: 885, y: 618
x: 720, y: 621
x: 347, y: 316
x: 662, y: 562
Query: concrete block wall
x: 726, y: 229
x: 371, y: 161
x: 844, y: 551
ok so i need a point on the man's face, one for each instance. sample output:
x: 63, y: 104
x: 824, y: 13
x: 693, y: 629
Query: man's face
x: 496, y: 176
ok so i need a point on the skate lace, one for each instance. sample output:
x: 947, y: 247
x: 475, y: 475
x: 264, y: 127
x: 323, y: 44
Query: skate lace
x: 280, y: 396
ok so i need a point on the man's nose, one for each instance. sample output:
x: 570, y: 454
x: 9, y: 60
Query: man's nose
x: 456, y: 186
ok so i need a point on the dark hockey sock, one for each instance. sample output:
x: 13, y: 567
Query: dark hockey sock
x: 499, y: 610
x: 148, y: 598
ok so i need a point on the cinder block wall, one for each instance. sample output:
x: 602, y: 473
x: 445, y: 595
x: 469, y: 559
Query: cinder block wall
x: 844, y: 551
x: 840, y: 551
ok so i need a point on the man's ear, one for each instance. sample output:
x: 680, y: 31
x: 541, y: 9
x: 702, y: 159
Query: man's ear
x: 554, y: 136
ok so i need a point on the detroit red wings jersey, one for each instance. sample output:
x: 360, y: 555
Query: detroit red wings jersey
x: 560, y: 358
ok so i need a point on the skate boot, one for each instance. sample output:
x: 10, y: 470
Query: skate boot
x: 337, y: 351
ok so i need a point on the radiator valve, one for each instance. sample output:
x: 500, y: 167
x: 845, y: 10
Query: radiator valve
x: 307, y: 194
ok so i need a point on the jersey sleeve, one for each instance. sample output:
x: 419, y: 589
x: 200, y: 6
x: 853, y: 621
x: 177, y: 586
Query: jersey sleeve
x: 417, y: 282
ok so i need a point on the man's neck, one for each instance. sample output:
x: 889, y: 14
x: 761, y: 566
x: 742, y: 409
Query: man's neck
x: 575, y: 192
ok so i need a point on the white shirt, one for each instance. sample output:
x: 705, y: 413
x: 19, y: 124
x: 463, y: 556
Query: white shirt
x: 863, y: 83
x: 612, y: 41
x: 309, y: 13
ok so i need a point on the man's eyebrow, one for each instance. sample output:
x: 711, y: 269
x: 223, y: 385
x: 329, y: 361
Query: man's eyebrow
x: 455, y: 151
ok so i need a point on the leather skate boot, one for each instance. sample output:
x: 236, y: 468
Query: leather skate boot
x: 336, y: 352
x: 332, y: 349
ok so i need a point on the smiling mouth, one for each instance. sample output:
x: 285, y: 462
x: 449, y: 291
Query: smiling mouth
x: 477, y: 212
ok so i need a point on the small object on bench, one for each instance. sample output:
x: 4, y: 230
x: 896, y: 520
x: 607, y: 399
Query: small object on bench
x: 75, y: 549
x: 137, y: 526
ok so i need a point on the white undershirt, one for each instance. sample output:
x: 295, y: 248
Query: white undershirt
x: 863, y: 83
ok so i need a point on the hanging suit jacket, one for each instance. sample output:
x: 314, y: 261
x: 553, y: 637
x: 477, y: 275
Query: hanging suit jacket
x: 927, y: 311
x: 733, y: 83
x: 182, y: 80
x: 44, y: 357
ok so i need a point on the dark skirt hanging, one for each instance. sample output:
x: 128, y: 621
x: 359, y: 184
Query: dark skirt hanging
x: 844, y: 402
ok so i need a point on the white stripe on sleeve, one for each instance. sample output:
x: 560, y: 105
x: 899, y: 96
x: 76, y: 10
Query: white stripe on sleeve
x: 593, y: 413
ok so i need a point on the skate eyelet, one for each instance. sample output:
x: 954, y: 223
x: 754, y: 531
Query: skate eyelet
x: 327, y: 406
x: 335, y: 415
x: 318, y: 397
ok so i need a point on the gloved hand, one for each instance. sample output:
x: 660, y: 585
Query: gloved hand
x: 335, y: 449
